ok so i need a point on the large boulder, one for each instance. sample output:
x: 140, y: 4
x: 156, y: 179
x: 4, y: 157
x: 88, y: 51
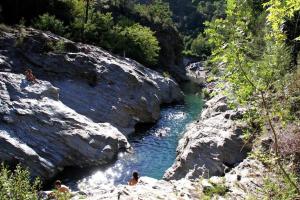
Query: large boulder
x: 93, y: 82
x: 211, y: 145
x: 43, y: 134
x: 196, y: 73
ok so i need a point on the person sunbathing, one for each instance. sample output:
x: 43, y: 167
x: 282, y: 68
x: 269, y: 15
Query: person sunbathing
x: 60, y: 189
x: 135, y: 179
x: 29, y: 76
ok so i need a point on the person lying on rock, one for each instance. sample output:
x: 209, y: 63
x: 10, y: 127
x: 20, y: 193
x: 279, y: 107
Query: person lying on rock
x: 29, y: 76
x: 135, y: 179
x: 60, y: 190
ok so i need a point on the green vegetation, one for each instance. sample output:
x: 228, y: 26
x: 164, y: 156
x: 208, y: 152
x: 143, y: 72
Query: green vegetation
x: 16, y: 185
x: 166, y: 74
x: 206, y: 93
x: 105, y: 24
x: 158, y: 12
x: 139, y: 43
x: 94, y: 21
x: 279, y: 189
x: 255, y: 41
x: 56, y: 47
x: 189, y: 16
x: 91, y: 26
x: 215, y: 190
x: 20, y: 39
x: 275, y: 187
x: 49, y: 23
x: 61, y: 195
x: 258, y: 58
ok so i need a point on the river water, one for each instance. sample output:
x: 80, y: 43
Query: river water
x: 154, y: 148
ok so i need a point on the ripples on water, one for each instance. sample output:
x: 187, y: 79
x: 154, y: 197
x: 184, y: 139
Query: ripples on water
x: 154, y: 150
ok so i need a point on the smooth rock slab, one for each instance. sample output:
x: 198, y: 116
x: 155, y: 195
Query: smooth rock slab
x: 40, y: 132
x: 93, y: 82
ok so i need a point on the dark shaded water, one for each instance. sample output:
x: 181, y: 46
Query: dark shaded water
x: 154, y: 148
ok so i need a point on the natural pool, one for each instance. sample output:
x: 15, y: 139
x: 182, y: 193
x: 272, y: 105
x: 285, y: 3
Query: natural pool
x: 154, y: 149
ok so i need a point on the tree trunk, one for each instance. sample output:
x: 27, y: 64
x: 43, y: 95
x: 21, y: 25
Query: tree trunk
x: 87, y: 11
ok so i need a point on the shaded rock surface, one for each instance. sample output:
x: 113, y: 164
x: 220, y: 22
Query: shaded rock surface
x: 40, y: 132
x: 212, y: 145
x: 92, y: 82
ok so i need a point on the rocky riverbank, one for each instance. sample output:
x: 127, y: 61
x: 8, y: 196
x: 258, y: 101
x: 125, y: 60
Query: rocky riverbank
x: 212, y: 145
x: 242, y: 182
x: 84, y: 101
x: 211, y: 162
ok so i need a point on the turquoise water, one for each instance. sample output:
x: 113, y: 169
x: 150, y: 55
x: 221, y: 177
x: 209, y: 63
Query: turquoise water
x: 154, y: 149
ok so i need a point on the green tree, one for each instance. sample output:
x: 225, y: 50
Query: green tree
x: 97, y: 31
x: 48, y: 22
x: 157, y: 12
x: 200, y: 46
x: 211, y: 9
x: 256, y: 68
x: 137, y: 42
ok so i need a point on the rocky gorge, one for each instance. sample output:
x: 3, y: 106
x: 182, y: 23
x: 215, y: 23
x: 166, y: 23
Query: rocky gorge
x: 85, y: 103
x: 210, y: 154
x: 84, y: 96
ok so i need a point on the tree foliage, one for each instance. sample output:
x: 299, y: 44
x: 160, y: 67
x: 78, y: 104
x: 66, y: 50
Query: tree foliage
x: 48, y: 22
x: 157, y: 12
x: 251, y: 44
x: 16, y: 185
x: 200, y: 46
x: 138, y: 42
x: 122, y: 36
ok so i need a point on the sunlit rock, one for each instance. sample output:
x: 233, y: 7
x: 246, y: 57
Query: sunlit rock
x: 93, y: 82
x: 40, y: 132
x: 211, y: 145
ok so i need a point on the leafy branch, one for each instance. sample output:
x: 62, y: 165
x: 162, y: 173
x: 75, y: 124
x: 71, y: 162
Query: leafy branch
x: 269, y: 120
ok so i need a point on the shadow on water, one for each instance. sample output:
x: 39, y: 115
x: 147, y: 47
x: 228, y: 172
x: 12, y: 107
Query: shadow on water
x: 154, y: 146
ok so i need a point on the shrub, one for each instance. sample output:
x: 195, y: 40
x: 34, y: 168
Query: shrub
x: 206, y: 93
x: 20, y: 38
x: 210, y: 79
x: 279, y: 189
x: 166, y: 75
x: 200, y: 46
x: 16, y: 185
x: 62, y: 195
x: 216, y: 189
x: 48, y: 22
x: 55, y: 46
